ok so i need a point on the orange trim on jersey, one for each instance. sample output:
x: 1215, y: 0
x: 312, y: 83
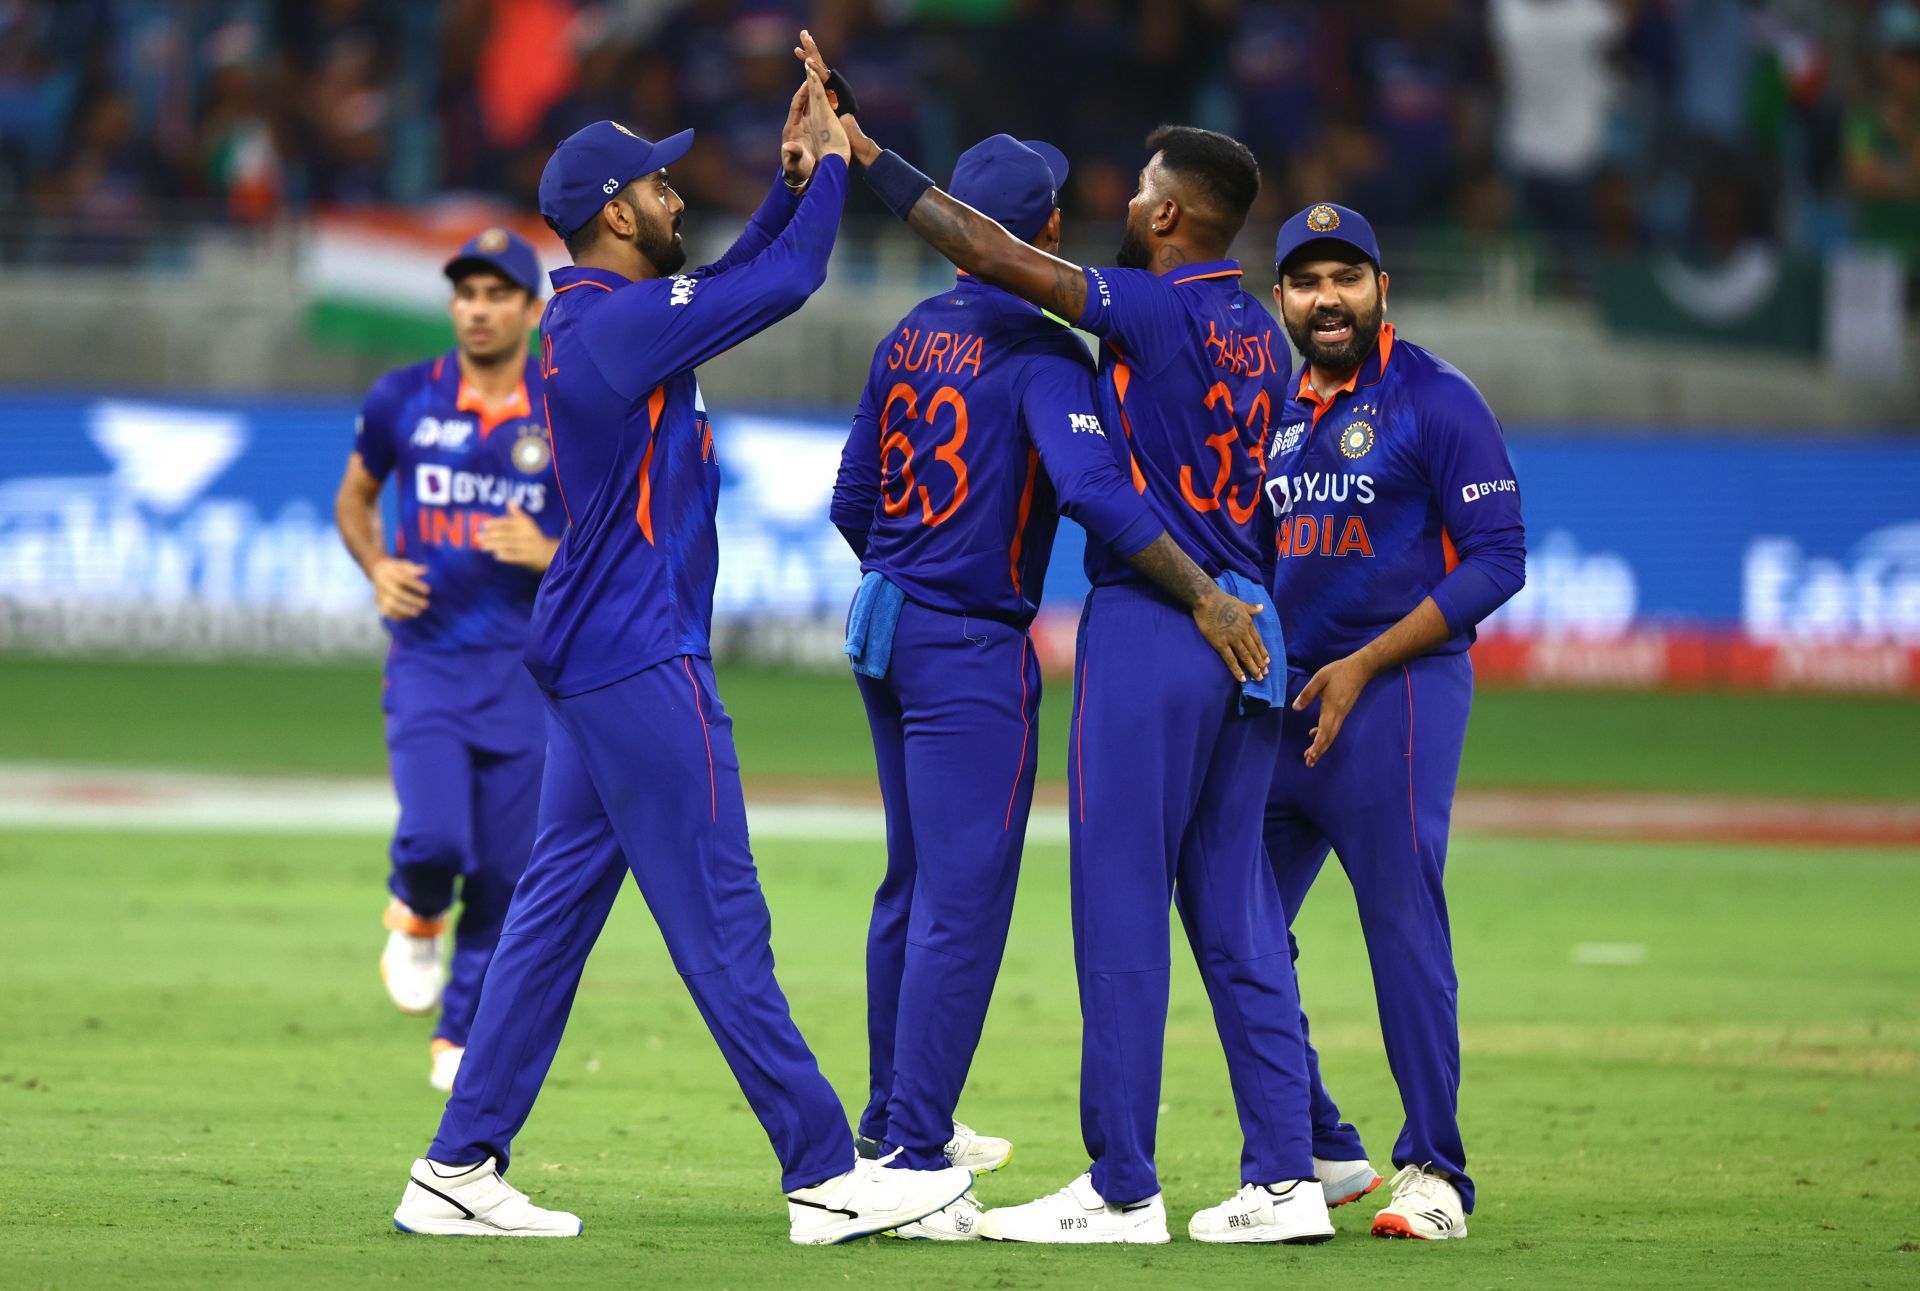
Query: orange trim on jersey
x: 1307, y: 394
x: 713, y: 786
x: 643, y: 510
x: 1020, y: 521
x: 439, y: 366
x: 515, y: 405
x: 1122, y: 378
x: 584, y: 282
x: 1447, y: 552
x: 1217, y: 273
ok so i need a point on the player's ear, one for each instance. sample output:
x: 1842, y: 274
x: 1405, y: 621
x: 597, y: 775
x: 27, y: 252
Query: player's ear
x: 1166, y: 219
x: 1381, y: 275
x: 1048, y: 239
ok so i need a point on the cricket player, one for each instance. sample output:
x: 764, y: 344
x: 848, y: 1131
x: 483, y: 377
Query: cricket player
x: 977, y: 427
x: 1167, y: 756
x: 1398, y: 530
x: 641, y: 773
x: 464, y: 437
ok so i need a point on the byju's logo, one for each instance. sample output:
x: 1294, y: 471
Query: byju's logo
x: 1486, y: 489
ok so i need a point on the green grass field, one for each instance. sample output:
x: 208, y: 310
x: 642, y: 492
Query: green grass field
x: 201, y: 1080
x: 325, y: 721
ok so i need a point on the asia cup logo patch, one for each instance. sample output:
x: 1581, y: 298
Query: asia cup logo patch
x: 530, y: 452
x: 1323, y: 219
x: 1356, y: 441
x: 492, y: 241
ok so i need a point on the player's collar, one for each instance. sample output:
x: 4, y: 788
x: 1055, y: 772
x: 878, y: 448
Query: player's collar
x: 574, y: 276
x: 1205, y: 269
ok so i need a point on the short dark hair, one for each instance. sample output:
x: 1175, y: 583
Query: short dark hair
x: 1221, y: 170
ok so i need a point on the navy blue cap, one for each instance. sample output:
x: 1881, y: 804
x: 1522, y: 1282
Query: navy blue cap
x: 1323, y: 221
x: 1014, y: 182
x: 501, y: 251
x: 595, y: 162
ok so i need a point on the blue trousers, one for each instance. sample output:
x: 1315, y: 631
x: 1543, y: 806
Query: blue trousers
x: 1382, y: 798
x: 642, y: 776
x: 1164, y: 786
x: 955, y: 734
x: 466, y: 740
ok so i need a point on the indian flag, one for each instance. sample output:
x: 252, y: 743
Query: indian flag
x: 372, y: 278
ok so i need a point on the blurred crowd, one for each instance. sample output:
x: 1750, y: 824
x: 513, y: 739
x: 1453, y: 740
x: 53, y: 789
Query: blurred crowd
x: 1615, y: 124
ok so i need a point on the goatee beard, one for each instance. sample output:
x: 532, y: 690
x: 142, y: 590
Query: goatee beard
x: 1348, y: 354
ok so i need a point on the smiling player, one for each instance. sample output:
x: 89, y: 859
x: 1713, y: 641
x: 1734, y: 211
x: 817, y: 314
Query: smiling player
x: 1399, y: 530
x: 465, y: 440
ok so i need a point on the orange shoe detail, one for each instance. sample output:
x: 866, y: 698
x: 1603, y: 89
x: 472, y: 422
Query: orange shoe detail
x: 1387, y: 1224
x: 1335, y: 1205
x: 399, y: 918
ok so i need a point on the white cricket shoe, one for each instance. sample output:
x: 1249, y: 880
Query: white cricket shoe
x: 980, y: 1153
x: 474, y: 1201
x: 410, y: 965
x: 1077, y: 1213
x: 1345, y: 1181
x: 870, y: 1198
x: 1292, y: 1213
x: 1424, y: 1206
x: 959, y: 1222
x: 446, y: 1064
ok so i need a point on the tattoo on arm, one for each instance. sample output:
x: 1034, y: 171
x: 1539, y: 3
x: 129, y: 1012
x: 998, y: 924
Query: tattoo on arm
x: 984, y: 249
x: 1174, y: 572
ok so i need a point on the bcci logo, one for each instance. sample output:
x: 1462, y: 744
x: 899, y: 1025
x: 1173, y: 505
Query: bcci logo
x: 530, y: 451
x: 623, y: 130
x: 1356, y: 441
x: 1323, y: 219
x: 491, y: 242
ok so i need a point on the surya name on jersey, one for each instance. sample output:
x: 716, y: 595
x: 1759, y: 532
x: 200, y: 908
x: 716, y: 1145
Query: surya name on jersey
x: 947, y: 353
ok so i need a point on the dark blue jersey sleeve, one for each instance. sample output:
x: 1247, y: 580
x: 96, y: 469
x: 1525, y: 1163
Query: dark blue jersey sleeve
x: 1138, y: 312
x: 776, y: 209
x: 1479, y: 502
x: 856, y: 489
x: 652, y: 330
x: 1057, y: 411
x: 374, y: 434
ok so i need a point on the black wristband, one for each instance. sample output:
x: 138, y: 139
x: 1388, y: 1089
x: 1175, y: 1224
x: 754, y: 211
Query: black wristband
x: 844, y: 103
x: 896, y: 183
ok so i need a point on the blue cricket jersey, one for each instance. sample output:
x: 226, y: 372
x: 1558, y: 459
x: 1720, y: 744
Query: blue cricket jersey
x: 977, y: 426
x: 632, y: 583
x: 1188, y: 373
x: 456, y: 464
x: 1395, y: 489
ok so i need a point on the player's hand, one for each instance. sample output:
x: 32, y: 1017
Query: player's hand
x: 1337, y: 686
x: 1227, y: 624
x: 864, y: 149
x: 796, y: 153
x: 399, y: 588
x: 514, y: 539
x: 825, y: 134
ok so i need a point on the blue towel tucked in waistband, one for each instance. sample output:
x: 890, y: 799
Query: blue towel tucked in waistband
x: 870, y: 624
x: 1257, y: 696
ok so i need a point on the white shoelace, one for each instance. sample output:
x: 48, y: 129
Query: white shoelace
x: 1414, y: 1184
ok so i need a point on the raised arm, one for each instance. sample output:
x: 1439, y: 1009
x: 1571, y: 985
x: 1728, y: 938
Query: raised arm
x: 957, y: 231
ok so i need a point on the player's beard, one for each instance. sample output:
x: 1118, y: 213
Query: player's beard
x: 1134, y: 253
x: 1347, y: 355
x: 662, y: 248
